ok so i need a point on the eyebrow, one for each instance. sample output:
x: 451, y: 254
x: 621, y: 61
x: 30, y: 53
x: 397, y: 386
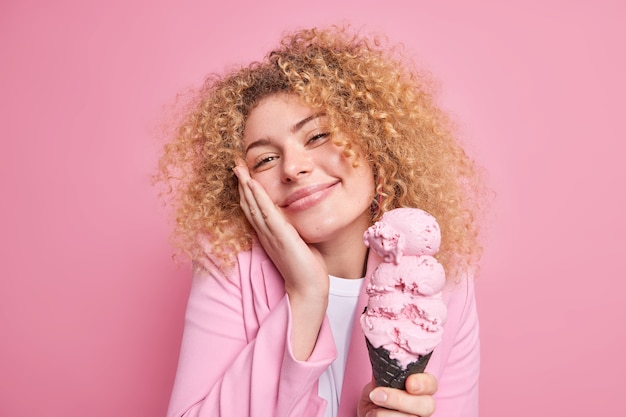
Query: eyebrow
x: 294, y: 129
x: 306, y: 120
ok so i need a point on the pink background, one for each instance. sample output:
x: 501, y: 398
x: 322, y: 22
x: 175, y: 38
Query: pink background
x: 91, y: 303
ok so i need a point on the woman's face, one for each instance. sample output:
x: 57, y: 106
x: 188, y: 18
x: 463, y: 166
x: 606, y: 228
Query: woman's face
x: 289, y: 151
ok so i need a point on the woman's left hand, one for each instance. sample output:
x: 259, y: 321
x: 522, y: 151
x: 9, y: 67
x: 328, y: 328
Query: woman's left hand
x: 417, y: 400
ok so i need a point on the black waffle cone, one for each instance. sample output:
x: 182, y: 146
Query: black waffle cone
x: 388, y: 372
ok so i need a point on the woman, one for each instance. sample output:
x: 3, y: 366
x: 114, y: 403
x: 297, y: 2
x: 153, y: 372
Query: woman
x: 277, y: 170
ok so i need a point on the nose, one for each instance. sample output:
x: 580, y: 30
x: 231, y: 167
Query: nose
x: 296, y: 163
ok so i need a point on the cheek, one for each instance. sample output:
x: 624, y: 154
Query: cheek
x: 269, y: 183
x: 362, y: 183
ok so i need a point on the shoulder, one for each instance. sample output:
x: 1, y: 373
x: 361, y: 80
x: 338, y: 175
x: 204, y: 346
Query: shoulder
x: 460, y: 341
x: 207, y: 260
x: 459, y: 297
x: 249, y: 268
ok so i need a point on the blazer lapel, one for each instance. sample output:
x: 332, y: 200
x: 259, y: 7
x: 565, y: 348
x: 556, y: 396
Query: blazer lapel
x: 358, y: 371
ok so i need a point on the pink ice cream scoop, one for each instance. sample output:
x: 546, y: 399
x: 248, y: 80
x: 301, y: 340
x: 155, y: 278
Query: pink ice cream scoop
x: 405, y: 312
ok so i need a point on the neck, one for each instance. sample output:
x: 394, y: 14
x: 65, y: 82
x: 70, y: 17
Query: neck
x: 345, y: 259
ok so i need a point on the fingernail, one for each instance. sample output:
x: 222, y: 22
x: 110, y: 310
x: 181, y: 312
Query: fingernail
x: 378, y: 396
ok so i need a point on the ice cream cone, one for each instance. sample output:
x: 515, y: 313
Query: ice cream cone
x: 405, y: 310
x: 388, y: 372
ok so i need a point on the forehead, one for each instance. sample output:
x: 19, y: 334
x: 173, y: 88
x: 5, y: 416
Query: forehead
x: 278, y: 114
x: 277, y: 106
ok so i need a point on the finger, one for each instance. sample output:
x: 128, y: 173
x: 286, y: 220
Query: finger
x: 400, y: 400
x: 365, y: 404
x: 241, y: 171
x: 259, y: 195
x: 246, y: 199
x: 421, y: 383
x: 252, y: 210
x: 263, y: 201
x: 254, y: 201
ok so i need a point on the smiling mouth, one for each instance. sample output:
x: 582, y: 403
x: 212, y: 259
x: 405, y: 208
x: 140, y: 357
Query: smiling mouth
x: 308, y: 196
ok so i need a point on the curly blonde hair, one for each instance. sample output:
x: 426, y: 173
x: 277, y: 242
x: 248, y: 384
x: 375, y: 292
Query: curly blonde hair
x: 384, y: 107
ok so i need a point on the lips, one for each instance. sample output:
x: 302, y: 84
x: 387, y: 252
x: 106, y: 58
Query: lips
x: 307, y: 196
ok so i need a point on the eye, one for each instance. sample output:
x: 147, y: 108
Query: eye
x: 264, y: 161
x: 318, y: 138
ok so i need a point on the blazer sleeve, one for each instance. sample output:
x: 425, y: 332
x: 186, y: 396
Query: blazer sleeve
x: 233, y: 365
x: 459, y: 370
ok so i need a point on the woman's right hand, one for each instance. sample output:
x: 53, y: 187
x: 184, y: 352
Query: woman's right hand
x: 301, y: 265
x: 417, y: 400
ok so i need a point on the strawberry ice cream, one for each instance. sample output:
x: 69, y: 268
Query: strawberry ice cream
x: 405, y: 312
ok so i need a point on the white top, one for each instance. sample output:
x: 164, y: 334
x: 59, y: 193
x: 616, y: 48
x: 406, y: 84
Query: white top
x: 342, y: 300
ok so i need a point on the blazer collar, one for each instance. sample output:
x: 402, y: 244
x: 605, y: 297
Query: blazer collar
x: 358, y: 372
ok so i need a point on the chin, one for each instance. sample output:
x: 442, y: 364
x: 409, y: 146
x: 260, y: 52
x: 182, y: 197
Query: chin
x: 328, y: 229
x: 313, y: 236
x: 314, y: 231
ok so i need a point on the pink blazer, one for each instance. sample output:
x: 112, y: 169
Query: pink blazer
x: 236, y: 359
